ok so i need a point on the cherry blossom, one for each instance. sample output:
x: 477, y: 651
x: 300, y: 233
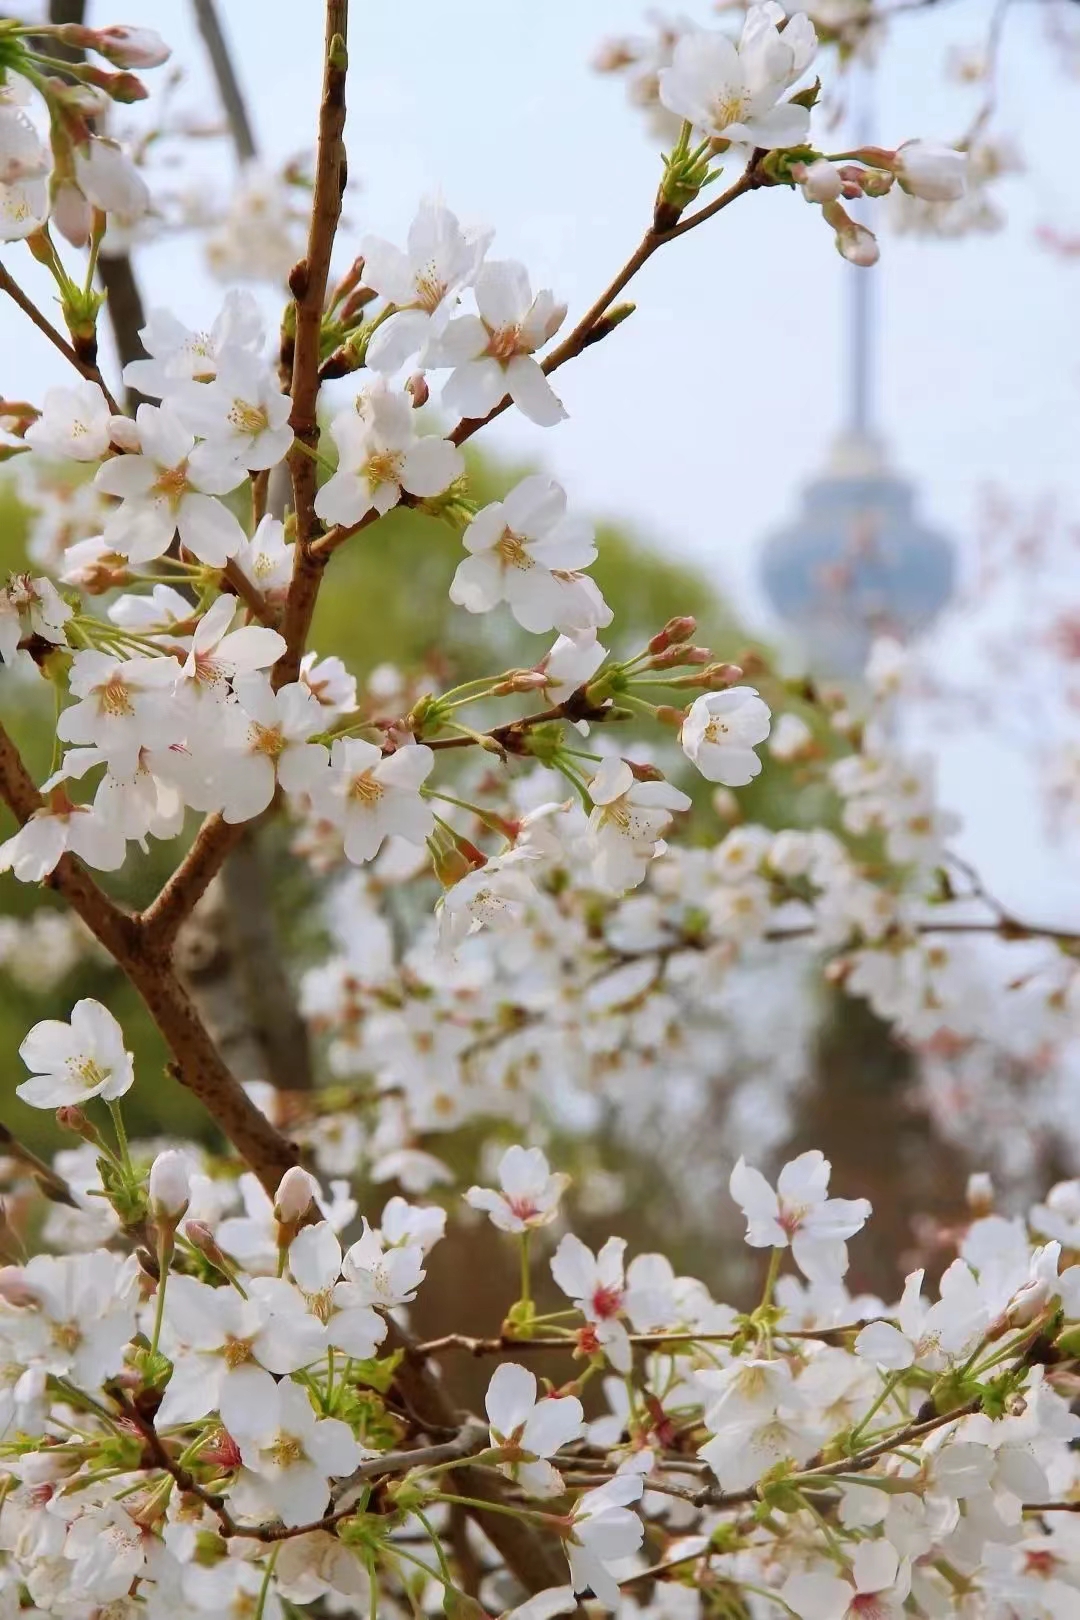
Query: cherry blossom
x: 372, y: 796
x: 170, y: 487
x: 422, y: 283
x: 492, y: 352
x: 530, y: 1193
x: 74, y: 422
x: 800, y: 1213
x: 289, y: 1455
x: 720, y: 732
x: 72, y: 1062
x: 732, y: 93
x: 266, y: 742
x: 529, y: 1431
x: 524, y: 550
x: 627, y: 823
x: 597, y: 1287
x: 603, y: 1531
x: 380, y: 456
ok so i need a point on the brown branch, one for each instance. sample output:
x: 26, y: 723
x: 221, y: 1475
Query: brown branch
x: 178, y: 896
x: 505, y: 1344
x: 198, y: 1064
x: 85, y: 368
x: 308, y: 283
x: 235, y: 580
x: 232, y: 97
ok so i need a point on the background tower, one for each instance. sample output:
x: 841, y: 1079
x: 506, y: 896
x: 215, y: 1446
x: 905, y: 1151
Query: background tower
x: 857, y: 562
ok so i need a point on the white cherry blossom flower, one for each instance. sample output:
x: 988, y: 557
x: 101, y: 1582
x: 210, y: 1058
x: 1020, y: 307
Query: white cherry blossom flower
x: 23, y: 154
x: 58, y: 828
x: 524, y: 550
x: 178, y: 354
x: 422, y: 283
x: 70, y: 1063
x: 74, y: 422
x: 267, y: 743
x: 219, y: 654
x: 219, y: 1345
x: 597, y: 1286
x: 267, y: 559
x: 936, y: 174
x: 530, y: 1431
x: 24, y: 208
x: 627, y: 823
x: 496, y: 896
x: 380, y: 455
x: 330, y: 683
x: 603, y: 1531
x: 571, y: 663
x: 171, y: 486
x: 241, y: 413
x: 315, y: 1261
x: 289, y: 1455
x: 78, y: 1315
x: 492, y: 352
x: 930, y: 1334
x: 721, y: 731
x: 372, y: 796
x: 876, y: 1590
x: 125, y: 705
x: 733, y: 93
x: 800, y: 1213
x: 108, y: 178
x: 530, y: 1192
x: 34, y: 606
x: 380, y: 1275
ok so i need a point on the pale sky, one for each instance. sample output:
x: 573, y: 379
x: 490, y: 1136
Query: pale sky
x: 698, y: 421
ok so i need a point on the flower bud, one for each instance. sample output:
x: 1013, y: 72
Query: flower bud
x: 669, y: 716
x: 124, y: 434
x: 979, y: 1194
x: 297, y: 1191
x: 821, y: 180
x: 676, y: 630
x: 417, y: 389
x: 644, y: 773
x: 127, y: 47
x: 200, y: 1237
x: 934, y: 173
x: 875, y: 182
x: 853, y: 241
x: 72, y: 214
x: 170, y: 1185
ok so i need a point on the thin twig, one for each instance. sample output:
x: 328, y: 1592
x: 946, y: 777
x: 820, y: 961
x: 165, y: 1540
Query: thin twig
x: 85, y: 368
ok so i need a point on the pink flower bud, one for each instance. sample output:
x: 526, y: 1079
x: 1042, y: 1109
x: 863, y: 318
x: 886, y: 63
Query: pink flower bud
x: 127, y: 47
x: 170, y: 1184
x: 296, y: 1193
x: 72, y: 214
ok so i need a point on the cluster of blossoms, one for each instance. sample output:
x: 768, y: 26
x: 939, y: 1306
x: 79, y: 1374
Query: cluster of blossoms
x: 211, y: 1397
x: 221, y: 1418
x: 723, y: 91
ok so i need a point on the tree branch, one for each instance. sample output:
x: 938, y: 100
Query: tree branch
x: 85, y: 368
x: 308, y: 283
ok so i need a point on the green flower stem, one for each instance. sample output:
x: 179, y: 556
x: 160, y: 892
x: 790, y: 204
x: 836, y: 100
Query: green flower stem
x: 526, y: 1275
x: 165, y: 1248
x: 887, y: 1388
x: 121, y: 1135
